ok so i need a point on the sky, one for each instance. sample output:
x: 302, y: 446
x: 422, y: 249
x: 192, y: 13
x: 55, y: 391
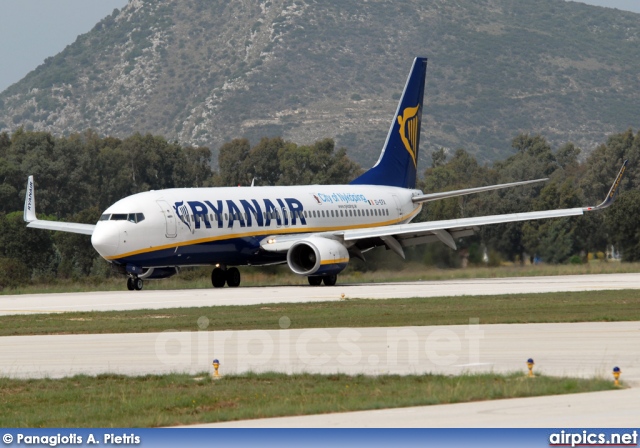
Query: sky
x: 33, y: 30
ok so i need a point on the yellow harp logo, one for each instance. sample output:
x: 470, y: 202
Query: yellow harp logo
x: 409, y: 130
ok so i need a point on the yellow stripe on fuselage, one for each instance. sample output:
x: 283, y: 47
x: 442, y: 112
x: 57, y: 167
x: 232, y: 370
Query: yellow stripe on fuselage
x: 278, y: 231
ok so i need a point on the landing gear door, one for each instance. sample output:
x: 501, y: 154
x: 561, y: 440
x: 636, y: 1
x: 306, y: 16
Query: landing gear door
x: 169, y: 218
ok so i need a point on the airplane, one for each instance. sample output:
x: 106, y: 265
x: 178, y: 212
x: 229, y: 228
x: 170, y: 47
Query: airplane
x: 314, y: 229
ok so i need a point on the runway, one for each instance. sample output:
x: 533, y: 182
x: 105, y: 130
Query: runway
x: 571, y: 349
x: 129, y: 300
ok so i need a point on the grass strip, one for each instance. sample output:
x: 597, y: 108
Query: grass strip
x: 592, y: 306
x: 153, y: 400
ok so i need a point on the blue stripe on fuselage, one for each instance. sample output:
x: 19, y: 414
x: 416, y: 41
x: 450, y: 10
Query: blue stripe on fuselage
x: 233, y: 251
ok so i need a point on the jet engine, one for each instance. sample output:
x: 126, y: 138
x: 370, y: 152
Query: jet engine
x: 317, y: 256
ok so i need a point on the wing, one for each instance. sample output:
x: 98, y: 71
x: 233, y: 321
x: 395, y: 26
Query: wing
x: 446, y: 231
x: 399, y: 236
x: 35, y: 223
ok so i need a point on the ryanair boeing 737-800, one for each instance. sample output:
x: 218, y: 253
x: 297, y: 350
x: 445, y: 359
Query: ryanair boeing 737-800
x: 315, y: 229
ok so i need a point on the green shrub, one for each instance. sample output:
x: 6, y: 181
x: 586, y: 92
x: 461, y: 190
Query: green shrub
x: 13, y: 273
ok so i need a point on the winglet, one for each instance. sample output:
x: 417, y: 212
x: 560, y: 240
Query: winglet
x: 30, y: 202
x: 612, y: 192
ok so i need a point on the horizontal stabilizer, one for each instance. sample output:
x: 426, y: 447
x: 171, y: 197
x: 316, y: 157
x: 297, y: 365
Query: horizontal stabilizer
x: 450, y: 194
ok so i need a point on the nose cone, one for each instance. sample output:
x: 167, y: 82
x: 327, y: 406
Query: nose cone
x: 105, y: 239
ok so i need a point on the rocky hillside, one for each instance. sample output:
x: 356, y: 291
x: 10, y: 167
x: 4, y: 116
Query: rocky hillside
x: 207, y: 71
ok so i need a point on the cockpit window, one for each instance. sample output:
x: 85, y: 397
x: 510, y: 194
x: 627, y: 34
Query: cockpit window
x: 131, y: 217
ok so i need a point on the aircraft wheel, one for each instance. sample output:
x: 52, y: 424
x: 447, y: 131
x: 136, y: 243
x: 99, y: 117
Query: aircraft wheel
x: 330, y: 280
x: 218, y: 278
x: 233, y: 277
x: 130, y: 284
x: 314, y: 281
x: 138, y: 284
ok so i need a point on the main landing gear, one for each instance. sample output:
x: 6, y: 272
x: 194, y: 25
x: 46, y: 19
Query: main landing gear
x: 134, y: 283
x: 328, y: 280
x: 220, y: 276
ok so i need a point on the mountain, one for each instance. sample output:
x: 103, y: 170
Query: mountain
x: 206, y: 71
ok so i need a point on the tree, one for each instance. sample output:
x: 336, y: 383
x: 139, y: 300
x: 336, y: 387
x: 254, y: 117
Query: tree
x: 533, y: 160
x: 32, y: 246
x: 316, y: 164
x: 231, y: 159
x: 622, y: 223
x: 554, y: 240
x: 567, y: 156
x: 263, y: 161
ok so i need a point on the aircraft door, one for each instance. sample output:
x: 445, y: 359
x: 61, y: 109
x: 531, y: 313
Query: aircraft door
x: 398, y: 207
x: 169, y: 218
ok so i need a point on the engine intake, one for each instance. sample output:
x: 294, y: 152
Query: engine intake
x: 317, y: 256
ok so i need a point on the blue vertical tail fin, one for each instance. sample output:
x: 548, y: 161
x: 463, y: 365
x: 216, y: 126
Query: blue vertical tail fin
x: 397, y: 164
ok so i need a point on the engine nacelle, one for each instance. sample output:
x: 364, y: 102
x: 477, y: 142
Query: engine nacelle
x: 317, y: 256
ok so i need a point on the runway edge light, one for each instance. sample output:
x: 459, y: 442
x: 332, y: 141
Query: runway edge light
x: 616, y: 376
x: 530, y: 365
x: 216, y: 366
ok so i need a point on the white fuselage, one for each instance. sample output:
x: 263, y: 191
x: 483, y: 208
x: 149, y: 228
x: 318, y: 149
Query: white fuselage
x: 206, y: 226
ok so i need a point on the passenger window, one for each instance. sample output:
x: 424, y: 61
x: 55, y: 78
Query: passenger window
x: 341, y: 214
